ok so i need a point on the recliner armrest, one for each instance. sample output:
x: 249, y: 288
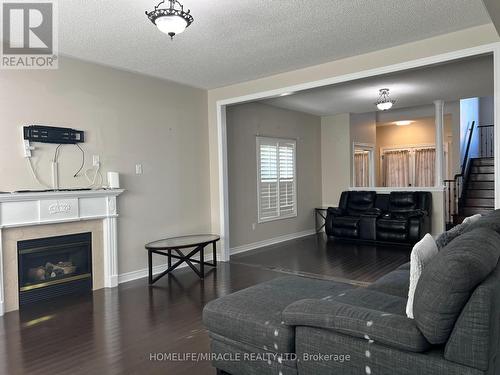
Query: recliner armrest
x: 417, y: 213
x: 335, y: 211
x: 392, y: 330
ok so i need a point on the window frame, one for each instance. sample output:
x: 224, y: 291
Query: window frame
x: 277, y: 141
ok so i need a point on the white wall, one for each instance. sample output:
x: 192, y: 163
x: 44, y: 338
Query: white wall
x: 486, y: 110
x: 363, y: 129
x: 455, y: 41
x: 244, y: 122
x: 128, y: 119
x: 469, y: 112
x: 335, y: 157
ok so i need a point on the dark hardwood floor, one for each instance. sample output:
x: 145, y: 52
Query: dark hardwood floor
x: 115, y: 331
x: 337, y: 260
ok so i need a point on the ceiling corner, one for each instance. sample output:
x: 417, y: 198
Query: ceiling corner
x: 493, y: 8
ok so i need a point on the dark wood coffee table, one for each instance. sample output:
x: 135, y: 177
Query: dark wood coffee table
x: 168, y: 246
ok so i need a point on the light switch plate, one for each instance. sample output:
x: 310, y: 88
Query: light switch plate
x: 138, y: 169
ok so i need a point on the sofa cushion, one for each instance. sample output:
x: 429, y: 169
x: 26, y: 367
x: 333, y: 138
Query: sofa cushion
x: 373, y: 299
x: 360, y: 201
x: 470, y: 342
x: 421, y: 255
x: 253, y: 316
x: 446, y: 237
x: 448, y: 281
x: 367, y: 357
x: 392, y: 330
x: 402, y: 201
x: 395, y: 283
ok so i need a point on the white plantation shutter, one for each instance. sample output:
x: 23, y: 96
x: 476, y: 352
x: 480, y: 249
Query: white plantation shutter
x: 276, y: 178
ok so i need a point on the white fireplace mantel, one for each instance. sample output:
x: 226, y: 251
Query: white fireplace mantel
x: 39, y: 208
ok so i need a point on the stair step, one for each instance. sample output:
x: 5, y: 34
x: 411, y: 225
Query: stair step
x: 469, y: 211
x: 480, y: 202
x: 482, y: 177
x: 481, y: 185
x: 483, y: 161
x: 483, y: 169
x: 477, y: 193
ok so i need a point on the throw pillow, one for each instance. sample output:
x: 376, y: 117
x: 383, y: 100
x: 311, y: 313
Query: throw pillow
x: 471, y: 219
x: 422, y: 253
x: 446, y: 237
x: 448, y: 281
x: 490, y: 221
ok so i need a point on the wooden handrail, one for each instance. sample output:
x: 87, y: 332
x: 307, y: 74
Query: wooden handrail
x: 467, y: 149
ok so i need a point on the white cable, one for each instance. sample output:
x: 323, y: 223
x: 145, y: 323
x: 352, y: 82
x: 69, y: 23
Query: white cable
x: 35, y: 176
x: 93, y: 180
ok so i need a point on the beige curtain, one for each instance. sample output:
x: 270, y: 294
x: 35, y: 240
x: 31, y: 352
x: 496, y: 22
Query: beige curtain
x: 361, y: 169
x: 425, y: 164
x: 397, y: 168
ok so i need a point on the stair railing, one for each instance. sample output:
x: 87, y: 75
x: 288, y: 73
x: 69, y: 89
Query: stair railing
x: 454, y: 189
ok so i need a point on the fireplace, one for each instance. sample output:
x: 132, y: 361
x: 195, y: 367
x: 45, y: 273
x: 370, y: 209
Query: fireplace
x: 53, y: 267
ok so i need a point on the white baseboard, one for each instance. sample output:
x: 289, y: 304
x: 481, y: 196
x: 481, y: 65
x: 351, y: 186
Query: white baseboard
x: 139, y: 274
x: 271, y: 241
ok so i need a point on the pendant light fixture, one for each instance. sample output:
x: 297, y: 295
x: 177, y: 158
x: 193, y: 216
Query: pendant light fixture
x: 384, y: 101
x: 172, y: 20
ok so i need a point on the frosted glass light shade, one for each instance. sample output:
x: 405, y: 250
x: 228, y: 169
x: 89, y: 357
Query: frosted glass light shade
x: 384, y: 106
x: 171, y: 24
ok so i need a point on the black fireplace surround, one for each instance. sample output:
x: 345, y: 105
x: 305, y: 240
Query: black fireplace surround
x: 54, y: 267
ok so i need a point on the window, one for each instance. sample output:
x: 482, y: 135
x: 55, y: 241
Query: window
x: 410, y: 165
x: 276, y: 178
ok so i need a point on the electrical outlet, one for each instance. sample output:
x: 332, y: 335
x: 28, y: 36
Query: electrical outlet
x: 138, y: 169
x: 254, y: 225
x: 27, y: 148
x: 95, y: 160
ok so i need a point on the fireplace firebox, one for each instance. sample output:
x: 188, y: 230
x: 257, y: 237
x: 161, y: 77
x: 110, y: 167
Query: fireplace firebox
x: 54, y: 267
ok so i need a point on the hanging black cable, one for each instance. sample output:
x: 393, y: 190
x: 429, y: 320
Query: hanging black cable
x: 83, y: 160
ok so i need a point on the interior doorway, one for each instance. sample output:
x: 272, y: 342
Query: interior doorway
x: 363, y: 163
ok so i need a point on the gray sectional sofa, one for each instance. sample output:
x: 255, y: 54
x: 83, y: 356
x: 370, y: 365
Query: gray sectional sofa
x: 298, y: 325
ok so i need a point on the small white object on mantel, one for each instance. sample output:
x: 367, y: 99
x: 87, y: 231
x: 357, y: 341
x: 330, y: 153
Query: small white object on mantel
x: 53, y: 207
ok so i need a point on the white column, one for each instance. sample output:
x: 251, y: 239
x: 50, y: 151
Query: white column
x: 110, y: 245
x: 439, y: 107
x: 2, y: 309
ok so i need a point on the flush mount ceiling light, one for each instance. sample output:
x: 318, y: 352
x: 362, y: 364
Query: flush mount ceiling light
x: 172, y: 20
x: 384, y: 101
x: 403, y: 123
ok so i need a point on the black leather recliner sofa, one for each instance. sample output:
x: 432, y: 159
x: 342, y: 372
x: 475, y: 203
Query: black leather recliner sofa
x: 402, y: 217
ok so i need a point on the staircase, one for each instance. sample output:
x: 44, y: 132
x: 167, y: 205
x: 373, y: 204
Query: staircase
x: 478, y: 191
x: 472, y: 191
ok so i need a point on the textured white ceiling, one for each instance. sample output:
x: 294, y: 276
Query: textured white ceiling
x: 452, y: 81
x: 238, y: 40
